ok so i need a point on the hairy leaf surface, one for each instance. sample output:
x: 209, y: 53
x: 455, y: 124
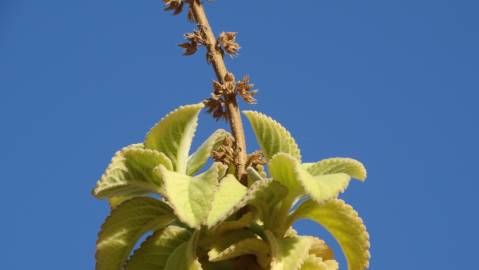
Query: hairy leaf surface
x: 191, y: 197
x: 117, y: 200
x: 199, y: 158
x: 317, y: 263
x: 349, y: 166
x: 289, y: 253
x: 272, y: 137
x: 289, y: 172
x: 155, y: 251
x: 231, y: 225
x: 174, y: 133
x: 250, y: 246
x: 344, y: 224
x: 126, y: 224
x: 229, y: 194
x: 184, y: 257
x: 131, y: 173
x: 319, y: 248
x: 264, y: 196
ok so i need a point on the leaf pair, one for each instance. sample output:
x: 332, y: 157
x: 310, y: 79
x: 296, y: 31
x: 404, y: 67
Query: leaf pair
x: 170, y: 247
x: 131, y: 171
x: 202, y: 199
x: 321, y: 182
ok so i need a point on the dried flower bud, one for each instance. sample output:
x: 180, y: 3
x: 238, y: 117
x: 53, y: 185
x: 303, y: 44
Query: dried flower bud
x: 225, y: 153
x: 189, y: 47
x: 194, y: 40
x: 227, y: 40
x: 229, y: 77
x: 195, y: 37
x: 218, y: 89
x: 175, y: 5
x: 243, y: 88
x: 230, y: 84
x: 255, y: 159
x: 217, y: 107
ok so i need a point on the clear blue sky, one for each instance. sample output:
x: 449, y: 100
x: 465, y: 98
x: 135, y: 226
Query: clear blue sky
x: 392, y: 83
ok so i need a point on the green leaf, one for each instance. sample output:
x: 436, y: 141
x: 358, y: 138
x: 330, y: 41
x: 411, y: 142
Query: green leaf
x: 199, y: 158
x: 264, y: 196
x: 253, y: 175
x: 282, y: 168
x: 229, y: 194
x: 184, y: 257
x: 272, y: 137
x: 251, y: 246
x: 344, y: 224
x: 290, y: 252
x: 130, y: 173
x: 288, y: 171
x: 117, y: 200
x: 155, y: 251
x: 191, y: 197
x: 231, y: 225
x: 222, y: 240
x: 126, y: 224
x: 349, y: 166
x: 319, y: 248
x: 316, y: 263
x: 174, y: 133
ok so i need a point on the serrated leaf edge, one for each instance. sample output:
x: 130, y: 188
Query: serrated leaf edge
x: 358, y: 165
x: 198, y: 106
x: 289, y: 137
x: 118, y: 157
x: 365, y: 241
x: 147, y: 227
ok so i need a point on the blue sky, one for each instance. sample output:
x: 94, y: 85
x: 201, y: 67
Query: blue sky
x: 392, y: 83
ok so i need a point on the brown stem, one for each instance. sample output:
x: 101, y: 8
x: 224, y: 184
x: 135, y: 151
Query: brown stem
x: 216, y: 58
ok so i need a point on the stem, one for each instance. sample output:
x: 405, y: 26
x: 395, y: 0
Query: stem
x: 219, y: 67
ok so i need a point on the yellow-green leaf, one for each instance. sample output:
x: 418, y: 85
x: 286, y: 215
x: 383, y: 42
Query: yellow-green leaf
x: 228, y: 195
x: 253, y: 175
x: 199, y: 158
x: 231, y: 225
x: 282, y: 168
x: 222, y: 240
x: 130, y: 173
x: 117, y: 200
x: 191, y: 197
x: 250, y: 246
x: 289, y: 172
x: 344, y: 224
x: 126, y: 224
x: 174, y: 133
x: 272, y: 137
x: 155, y: 251
x: 288, y: 253
x: 349, y: 166
x: 264, y: 196
x: 184, y: 257
x: 316, y: 263
x: 319, y: 248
